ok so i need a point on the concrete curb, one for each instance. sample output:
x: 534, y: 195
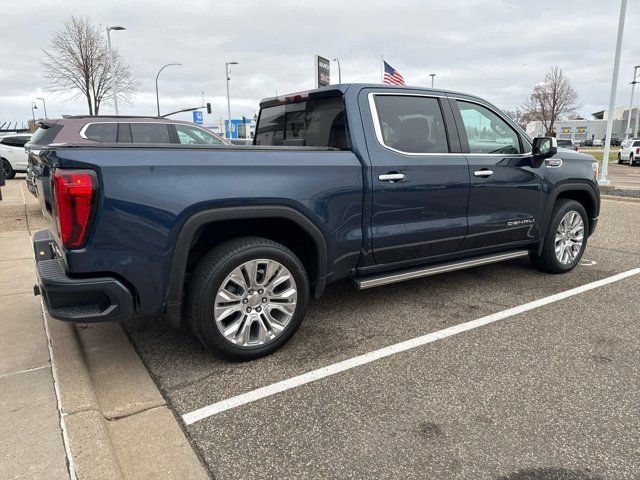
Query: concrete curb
x: 118, y: 424
x: 617, y: 198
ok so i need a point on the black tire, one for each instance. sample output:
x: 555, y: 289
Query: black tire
x: 619, y: 159
x: 547, y: 260
x: 9, y: 173
x: 631, y: 160
x: 207, y: 278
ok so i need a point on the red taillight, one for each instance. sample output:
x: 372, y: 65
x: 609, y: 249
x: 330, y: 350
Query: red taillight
x: 73, y: 204
x: 637, y: 151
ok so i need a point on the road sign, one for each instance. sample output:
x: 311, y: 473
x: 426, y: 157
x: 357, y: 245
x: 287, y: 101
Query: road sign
x: 323, y: 71
x: 197, y: 117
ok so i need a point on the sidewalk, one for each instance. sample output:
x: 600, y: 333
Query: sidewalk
x: 30, y: 432
x: 75, y: 401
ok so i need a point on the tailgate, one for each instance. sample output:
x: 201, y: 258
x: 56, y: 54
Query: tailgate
x: 40, y: 177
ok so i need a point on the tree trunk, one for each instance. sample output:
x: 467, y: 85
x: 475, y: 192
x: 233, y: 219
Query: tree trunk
x: 89, y: 103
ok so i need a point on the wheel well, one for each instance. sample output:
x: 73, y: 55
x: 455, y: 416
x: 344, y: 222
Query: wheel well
x: 583, y: 198
x: 281, y: 230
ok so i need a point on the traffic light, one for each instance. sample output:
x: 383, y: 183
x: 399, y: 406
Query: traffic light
x: 208, y: 107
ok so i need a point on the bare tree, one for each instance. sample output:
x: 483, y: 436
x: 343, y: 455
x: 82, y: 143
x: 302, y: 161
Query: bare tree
x: 551, y: 100
x: 78, y: 63
x: 518, y: 116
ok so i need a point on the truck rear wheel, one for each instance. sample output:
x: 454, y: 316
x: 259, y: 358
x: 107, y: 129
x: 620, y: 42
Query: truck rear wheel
x: 247, y: 297
x: 565, y: 239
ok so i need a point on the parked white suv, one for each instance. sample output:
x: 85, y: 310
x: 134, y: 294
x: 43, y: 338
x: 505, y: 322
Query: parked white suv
x: 630, y: 152
x: 12, y: 153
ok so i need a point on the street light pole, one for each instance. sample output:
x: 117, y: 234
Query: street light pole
x: 227, y: 72
x: 633, y: 87
x: 112, y: 65
x: 157, y: 95
x: 33, y: 114
x: 339, y: 70
x: 44, y: 106
x: 612, y: 98
x: 432, y: 75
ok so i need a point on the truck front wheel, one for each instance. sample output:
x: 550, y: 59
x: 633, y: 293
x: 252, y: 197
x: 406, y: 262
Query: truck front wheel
x: 565, y: 239
x: 247, y: 297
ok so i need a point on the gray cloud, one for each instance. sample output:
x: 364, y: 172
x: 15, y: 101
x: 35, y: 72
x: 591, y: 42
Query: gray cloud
x: 496, y: 49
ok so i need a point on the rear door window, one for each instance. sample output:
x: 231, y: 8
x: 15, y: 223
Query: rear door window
x: 311, y: 123
x: 411, y: 124
x: 150, y: 133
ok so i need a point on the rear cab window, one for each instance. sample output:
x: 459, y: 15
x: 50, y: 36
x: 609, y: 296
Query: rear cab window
x: 316, y: 122
x: 45, y: 135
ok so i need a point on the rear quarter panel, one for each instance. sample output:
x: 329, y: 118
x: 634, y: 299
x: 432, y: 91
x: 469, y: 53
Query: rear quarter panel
x: 147, y: 194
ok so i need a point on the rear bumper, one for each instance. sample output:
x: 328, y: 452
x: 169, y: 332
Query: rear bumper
x: 83, y: 300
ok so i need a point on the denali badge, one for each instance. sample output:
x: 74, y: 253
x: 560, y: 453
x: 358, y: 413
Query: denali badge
x: 515, y: 223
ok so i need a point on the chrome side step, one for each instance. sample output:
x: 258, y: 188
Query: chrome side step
x: 401, y: 276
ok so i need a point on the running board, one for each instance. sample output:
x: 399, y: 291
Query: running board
x: 401, y: 276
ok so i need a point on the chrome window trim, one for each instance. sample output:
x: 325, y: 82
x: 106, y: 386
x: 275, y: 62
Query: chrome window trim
x: 378, y: 129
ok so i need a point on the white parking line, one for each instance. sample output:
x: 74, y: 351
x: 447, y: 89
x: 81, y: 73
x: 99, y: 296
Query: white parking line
x: 312, y: 376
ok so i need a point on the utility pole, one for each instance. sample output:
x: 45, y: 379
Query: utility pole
x: 44, y: 106
x: 633, y: 87
x: 432, y: 75
x: 612, y: 98
x: 113, y: 68
x: 157, y: 95
x: 339, y: 70
x: 227, y: 73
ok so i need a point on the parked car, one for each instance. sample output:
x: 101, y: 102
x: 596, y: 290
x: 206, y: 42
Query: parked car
x: 94, y: 130
x: 567, y: 144
x: 13, y: 155
x: 615, y: 142
x: 373, y: 183
x: 597, y: 143
x: 586, y: 143
x: 630, y: 152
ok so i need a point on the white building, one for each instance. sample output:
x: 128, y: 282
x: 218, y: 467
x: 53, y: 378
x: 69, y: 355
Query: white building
x: 595, y: 128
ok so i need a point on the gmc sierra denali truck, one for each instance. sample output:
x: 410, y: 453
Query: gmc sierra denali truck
x: 373, y: 183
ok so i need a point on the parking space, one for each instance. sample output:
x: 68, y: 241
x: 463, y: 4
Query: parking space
x: 624, y: 176
x: 550, y: 393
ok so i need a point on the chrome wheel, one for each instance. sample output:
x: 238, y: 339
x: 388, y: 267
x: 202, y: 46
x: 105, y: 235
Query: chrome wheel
x: 569, y: 237
x: 255, y: 303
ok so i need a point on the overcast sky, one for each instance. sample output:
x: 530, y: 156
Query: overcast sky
x: 496, y: 49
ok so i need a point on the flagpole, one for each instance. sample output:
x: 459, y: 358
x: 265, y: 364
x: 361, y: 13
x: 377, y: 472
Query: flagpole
x: 381, y: 69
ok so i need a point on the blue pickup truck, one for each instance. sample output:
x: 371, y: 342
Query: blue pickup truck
x: 377, y: 184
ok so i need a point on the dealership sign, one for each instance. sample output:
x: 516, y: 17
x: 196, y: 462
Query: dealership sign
x: 323, y: 71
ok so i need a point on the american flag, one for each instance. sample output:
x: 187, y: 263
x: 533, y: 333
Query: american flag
x: 392, y: 76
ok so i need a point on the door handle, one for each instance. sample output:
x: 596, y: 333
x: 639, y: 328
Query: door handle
x: 391, y: 177
x: 483, y: 173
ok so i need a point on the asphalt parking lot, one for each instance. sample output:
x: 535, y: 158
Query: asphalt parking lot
x: 549, y: 393
x: 624, y: 176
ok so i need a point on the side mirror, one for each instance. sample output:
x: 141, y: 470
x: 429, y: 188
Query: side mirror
x: 544, y: 147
